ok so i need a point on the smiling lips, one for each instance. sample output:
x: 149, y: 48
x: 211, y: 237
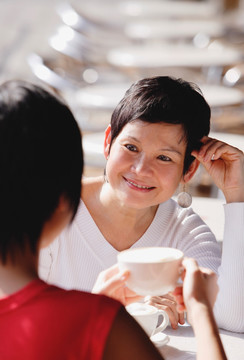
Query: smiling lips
x: 137, y: 186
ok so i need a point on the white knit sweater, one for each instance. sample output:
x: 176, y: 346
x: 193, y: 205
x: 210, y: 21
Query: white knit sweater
x: 80, y: 253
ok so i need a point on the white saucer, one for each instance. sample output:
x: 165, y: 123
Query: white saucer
x: 159, y: 339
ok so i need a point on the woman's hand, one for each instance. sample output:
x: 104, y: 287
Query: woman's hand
x: 199, y: 287
x: 169, y: 305
x: 111, y: 282
x: 198, y: 296
x: 225, y: 164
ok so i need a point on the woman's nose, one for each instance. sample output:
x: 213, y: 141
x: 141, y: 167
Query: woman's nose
x: 142, y: 165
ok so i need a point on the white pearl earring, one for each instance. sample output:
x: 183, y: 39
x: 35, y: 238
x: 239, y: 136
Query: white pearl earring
x: 184, y: 199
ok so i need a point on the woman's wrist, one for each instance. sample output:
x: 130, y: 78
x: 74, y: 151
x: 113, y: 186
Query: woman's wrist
x: 232, y: 196
x: 209, y: 345
x: 197, y: 310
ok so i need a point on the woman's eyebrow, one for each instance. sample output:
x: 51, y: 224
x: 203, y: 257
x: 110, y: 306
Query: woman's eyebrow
x: 132, y: 138
x: 163, y: 149
x: 171, y: 150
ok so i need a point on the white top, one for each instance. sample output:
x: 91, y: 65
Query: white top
x: 80, y: 253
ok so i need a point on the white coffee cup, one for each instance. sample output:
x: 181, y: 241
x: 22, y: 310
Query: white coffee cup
x: 147, y: 316
x: 153, y: 270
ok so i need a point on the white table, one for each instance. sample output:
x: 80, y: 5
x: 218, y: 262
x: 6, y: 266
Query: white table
x: 182, y: 344
x: 168, y: 8
x: 172, y: 28
x: 100, y: 96
x: 167, y: 55
x: 218, y: 96
x: 136, y: 9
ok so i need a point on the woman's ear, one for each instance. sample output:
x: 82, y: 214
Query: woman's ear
x: 107, y: 141
x: 190, y: 172
x: 63, y: 205
x: 52, y: 227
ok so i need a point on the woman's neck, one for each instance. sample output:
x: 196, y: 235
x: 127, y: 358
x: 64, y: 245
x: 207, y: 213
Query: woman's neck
x: 110, y: 214
x: 14, y: 275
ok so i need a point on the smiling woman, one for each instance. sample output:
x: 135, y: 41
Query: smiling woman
x: 157, y: 137
x: 146, y: 163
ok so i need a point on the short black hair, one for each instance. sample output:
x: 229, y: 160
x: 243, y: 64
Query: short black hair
x: 168, y: 100
x: 40, y: 160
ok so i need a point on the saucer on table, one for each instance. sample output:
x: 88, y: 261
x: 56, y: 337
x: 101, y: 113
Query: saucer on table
x: 159, y: 339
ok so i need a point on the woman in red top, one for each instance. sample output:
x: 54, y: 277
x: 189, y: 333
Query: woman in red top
x: 41, y: 165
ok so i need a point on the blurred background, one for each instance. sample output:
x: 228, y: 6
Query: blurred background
x: 91, y: 51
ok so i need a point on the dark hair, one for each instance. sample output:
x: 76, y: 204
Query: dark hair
x: 168, y: 100
x: 40, y: 160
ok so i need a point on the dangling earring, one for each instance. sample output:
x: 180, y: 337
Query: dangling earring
x: 104, y: 173
x: 184, y: 199
x: 105, y: 176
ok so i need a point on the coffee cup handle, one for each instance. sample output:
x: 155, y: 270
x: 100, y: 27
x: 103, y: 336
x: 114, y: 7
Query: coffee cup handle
x: 163, y: 324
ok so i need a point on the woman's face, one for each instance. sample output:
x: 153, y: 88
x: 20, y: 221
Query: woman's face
x: 145, y: 163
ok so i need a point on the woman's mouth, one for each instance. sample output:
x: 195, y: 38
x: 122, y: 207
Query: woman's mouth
x: 141, y: 187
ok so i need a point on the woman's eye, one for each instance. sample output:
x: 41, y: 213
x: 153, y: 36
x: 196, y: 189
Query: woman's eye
x: 131, y: 147
x: 164, y: 158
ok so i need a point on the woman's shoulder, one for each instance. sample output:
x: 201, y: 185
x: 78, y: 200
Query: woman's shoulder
x: 173, y: 208
x: 103, y: 308
x: 176, y: 214
x: 76, y: 297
